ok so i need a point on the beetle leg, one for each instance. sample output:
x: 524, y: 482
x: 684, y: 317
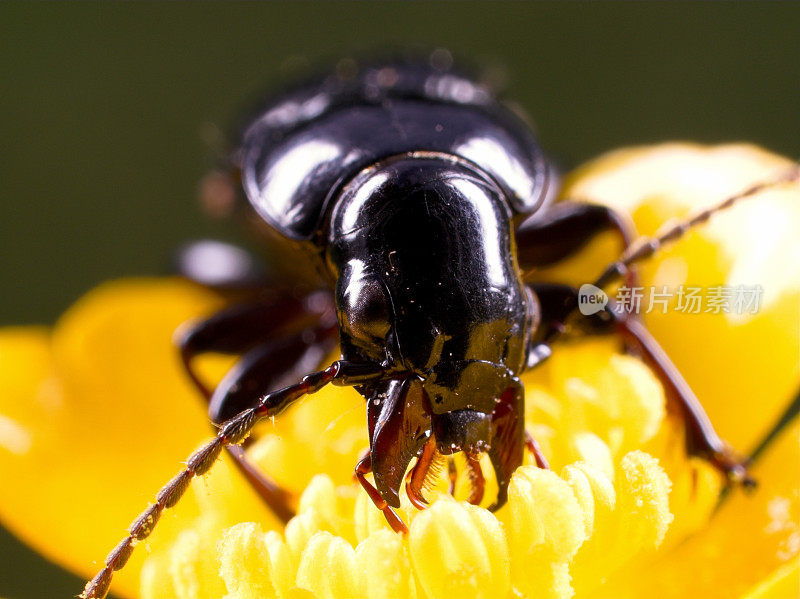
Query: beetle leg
x: 556, y: 303
x: 268, y: 366
x: 560, y: 302
x: 363, y: 468
x: 565, y: 229
x: 536, y: 452
x: 239, y: 327
x: 701, y: 438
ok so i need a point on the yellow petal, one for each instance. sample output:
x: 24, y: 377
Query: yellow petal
x: 459, y: 550
x: 95, y: 421
x: 783, y: 583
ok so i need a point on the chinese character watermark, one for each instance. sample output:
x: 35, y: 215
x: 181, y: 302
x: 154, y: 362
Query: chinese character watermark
x: 719, y: 299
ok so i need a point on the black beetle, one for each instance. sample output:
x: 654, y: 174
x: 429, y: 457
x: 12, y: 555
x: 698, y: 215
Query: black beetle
x: 421, y: 200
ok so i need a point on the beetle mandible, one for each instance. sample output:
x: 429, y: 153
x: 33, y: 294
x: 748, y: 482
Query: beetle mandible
x: 421, y: 200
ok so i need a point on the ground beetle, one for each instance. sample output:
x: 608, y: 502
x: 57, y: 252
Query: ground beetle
x: 421, y: 200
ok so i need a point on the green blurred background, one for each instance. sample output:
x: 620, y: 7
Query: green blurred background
x: 103, y: 109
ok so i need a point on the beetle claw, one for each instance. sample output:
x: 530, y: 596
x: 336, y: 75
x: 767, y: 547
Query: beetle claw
x: 733, y: 466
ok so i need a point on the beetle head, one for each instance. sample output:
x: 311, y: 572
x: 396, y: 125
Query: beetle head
x: 402, y: 420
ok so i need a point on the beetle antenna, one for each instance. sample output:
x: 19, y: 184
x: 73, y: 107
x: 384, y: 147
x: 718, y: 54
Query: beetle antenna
x: 647, y: 246
x: 232, y: 432
x: 198, y: 464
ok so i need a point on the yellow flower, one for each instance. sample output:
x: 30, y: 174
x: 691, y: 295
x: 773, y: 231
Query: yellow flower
x: 96, y: 415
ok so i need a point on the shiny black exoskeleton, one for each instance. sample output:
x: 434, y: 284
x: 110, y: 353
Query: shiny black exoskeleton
x: 423, y: 204
x: 421, y: 200
x: 406, y: 182
x: 427, y: 285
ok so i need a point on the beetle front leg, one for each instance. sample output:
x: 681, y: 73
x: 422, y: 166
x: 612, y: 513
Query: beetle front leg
x: 701, y: 438
x: 559, y: 304
x: 566, y: 228
x: 239, y: 327
x: 272, y: 363
x: 263, y: 369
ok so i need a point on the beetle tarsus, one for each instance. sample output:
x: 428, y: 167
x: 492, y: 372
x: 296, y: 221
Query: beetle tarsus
x: 733, y: 466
